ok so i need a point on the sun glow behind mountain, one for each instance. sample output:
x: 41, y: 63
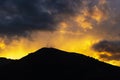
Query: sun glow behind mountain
x: 74, y: 33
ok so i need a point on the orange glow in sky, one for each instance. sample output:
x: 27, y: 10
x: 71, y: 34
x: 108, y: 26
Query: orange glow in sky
x: 73, y: 35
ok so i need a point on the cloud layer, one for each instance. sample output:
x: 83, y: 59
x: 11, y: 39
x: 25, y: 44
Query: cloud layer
x: 111, y: 47
x: 68, y: 19
x: 18, y: 17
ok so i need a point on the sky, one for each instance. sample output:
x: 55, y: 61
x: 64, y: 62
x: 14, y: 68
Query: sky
x: 89, y: 27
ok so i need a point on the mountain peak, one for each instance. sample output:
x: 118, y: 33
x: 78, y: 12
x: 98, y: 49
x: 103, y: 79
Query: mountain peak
x: 52, y: 63
x: 48, y: 49
x: 53, y: 56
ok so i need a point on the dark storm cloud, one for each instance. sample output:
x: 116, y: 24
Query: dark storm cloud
x: 112, y: 47
x: 18, y: 17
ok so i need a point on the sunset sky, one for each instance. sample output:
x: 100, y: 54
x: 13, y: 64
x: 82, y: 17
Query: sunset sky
x: 89, y: 27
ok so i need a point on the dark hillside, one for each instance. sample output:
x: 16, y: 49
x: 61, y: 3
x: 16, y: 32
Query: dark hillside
x: 58, y: 65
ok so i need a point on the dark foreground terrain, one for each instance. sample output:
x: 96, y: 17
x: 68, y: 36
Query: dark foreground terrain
x: 53, y: 64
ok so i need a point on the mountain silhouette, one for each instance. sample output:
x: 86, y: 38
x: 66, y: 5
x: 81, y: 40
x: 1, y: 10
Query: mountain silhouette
x: 54, y: 64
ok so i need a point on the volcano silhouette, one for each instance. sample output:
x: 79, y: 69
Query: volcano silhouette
x: 54, y: 64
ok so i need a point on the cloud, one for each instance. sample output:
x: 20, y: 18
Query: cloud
x: 18, y: 17
x: 111, y: 47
